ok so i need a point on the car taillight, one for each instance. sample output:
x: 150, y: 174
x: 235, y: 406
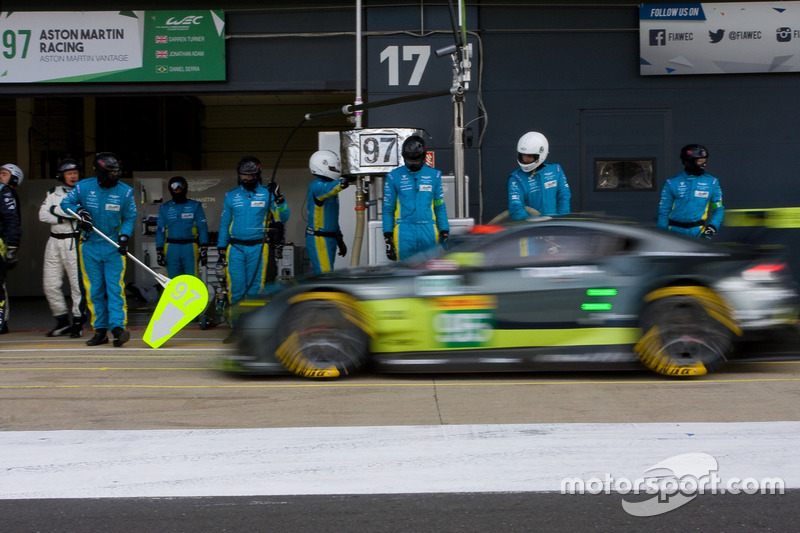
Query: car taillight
x: 486, y: 229
x: 764, y: 272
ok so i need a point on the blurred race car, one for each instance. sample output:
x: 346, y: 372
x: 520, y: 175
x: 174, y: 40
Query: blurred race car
x: 550, y: 293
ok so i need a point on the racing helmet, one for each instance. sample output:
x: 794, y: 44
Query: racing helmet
x: 535, y: 144
x: 413, y: 152
x: 108, y: 169
x: 249, y: 166
x: 689, y: 157
x: 176, y: 183
x: 16, y: 174
x: 325, y: 164
x: 67, y: 164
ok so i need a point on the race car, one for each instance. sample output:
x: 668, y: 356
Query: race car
x: 550, y: 293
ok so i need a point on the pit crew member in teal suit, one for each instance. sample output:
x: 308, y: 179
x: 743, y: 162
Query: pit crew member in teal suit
x: 323, y: 235
x: 413, y: 204
x: 242, y: 244
x: 107, y: 204
x: 691, y: 202
x: 182, y: 232
x: 537, y: 183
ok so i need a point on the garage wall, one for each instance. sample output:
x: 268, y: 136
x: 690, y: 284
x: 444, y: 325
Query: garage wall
x: 261, y: 125
x: 549, y: 66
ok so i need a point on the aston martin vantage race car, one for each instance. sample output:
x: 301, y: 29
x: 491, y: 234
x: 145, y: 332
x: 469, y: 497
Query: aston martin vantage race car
x: 549, y: 293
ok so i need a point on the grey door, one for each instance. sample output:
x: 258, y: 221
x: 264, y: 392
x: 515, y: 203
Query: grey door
x: 625, y: 158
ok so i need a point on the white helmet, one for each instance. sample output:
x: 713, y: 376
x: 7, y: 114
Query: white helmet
x: 532, y: 143
x: 16, y: 174
x: 326, y: 164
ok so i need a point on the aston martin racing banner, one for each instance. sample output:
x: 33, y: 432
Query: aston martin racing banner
x: 719, y: 38
x: 112, y: 46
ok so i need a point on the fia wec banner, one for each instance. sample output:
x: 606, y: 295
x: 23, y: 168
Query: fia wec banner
x: 112, y: 46
x: 719, y: 38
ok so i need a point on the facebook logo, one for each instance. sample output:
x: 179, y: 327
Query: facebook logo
x: 658, y: 38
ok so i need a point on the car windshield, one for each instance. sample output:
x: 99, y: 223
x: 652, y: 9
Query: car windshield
x: 497, y: 246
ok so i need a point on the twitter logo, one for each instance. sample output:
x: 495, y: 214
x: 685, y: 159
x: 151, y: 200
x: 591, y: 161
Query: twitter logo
x: 716, y: 36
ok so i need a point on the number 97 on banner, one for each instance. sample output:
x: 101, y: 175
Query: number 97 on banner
x: 183, y: 299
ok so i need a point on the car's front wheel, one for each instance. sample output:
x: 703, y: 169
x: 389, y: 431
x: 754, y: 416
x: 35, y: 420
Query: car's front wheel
x: 323, y: 335
x: 686, y: 331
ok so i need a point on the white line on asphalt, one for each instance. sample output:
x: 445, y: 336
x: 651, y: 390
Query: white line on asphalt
x: 376, y: 459
x: 117, y: 351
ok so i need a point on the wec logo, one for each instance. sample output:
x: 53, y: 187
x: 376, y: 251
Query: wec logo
x: 185, y: 21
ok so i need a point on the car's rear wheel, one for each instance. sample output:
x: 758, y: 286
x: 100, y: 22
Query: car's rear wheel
x: 323, y: 335
x: 686, y: 331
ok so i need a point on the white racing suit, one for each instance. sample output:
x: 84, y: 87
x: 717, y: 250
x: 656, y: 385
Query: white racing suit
x: 61, y: 256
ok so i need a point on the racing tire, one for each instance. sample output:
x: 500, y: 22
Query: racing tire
x: 323, y: 338
x: 686, y: 331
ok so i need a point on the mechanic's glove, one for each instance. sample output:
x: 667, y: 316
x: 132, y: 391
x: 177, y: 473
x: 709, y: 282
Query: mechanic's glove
x: 275, y: 190
x: 444, y: 236
x: 709, y: 232
x: 391, y: 251
x: 347, y: 180
x: 85, y: 221
x: 160, y: 258
x: 123, y: 245
x: 203, y: 256
x: 221, y: 263
x: 11, y: 257
x: 342, y: 246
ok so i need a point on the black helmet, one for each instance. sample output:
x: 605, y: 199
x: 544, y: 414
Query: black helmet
x: 413, y: 152
x: 66, y: 164
x: 108, y: 167
x: 175, y: 183
x: 689, y: 156
x: 249, y: 166
x: 180, y: 180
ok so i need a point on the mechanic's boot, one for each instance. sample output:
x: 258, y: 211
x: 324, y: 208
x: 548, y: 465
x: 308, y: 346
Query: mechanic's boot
x: 62, y: 326
x: 99, y: 338
x: 76, y: 330
x: 121, y: 336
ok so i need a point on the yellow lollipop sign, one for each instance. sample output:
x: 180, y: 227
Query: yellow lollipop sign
x: 184, y: 298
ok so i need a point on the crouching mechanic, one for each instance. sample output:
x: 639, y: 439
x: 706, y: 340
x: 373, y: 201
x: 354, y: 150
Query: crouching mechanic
x: 537, y: 183
x: 182, y: 232
x: 323, y: 235
x: 691, y: 202
x: 11, y: 176
x: 61, y: 255
x: 242, y: 245
x: 106, y: 203
x: 413, y: 204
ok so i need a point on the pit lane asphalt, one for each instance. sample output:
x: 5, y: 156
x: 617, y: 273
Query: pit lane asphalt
x: 68, y: 385
x: 60, y: 384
